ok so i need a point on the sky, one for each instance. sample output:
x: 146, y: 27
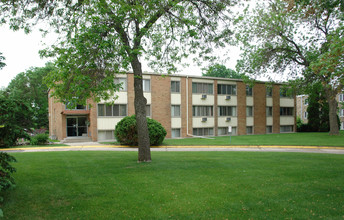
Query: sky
x: 21, y: 52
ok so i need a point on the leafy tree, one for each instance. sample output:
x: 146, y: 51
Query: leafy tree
x: 104, y: 37
x: 28, y: 87
x: 2, y: 64
x: 296, y: 37
x: 219, y: 70
x: 6, y: 171
x: 14, y: 121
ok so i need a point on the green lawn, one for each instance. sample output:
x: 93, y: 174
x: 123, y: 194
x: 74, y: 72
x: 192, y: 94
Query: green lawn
x: 298, y: 139
x: 177, y: 185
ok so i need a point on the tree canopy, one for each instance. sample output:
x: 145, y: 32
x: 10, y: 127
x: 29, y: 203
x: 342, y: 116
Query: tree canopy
x: 2, y: 64
x: 299, y: 38
x: 28, y: 87
x: 104, y: 37
x: 219, y: 70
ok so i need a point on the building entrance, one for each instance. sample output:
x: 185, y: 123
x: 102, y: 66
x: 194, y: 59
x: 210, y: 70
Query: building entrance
x: 76, y: 126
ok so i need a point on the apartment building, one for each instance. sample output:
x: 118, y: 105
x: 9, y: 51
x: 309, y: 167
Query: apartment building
x: 185, y: 105
x: 302, y: 105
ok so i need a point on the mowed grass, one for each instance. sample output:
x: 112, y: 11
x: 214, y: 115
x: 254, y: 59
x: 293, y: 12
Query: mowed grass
x: 176, y: 185
x: 294, y: 139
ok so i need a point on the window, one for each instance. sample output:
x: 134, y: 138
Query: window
x: 269, y: 91
x: 342, y: 126
x: 112, y: 110
x: 175, y: 86
x: 341, y: 97
x: 286, y: 128
x: 69, y: 106
x: 268, y: 129
x: 227, y: 111
x: 249, y: 91
x: 268, y: 111
x: 146, y: 85
x: 341, y: 112
x: 285, y: 93
x: 123, y: 82
x: 203, y: 131
x: 223, y: 89
x: 202, y: 110
x: 305, y: 115
x: 224, y: 131
x: 175, y: 110
x: 306, y: 101
x: 175, y: 132
x: 148, y: 111
x: 249, y: 130
x: 286, y: 111
x: 249, y: 111
x: 203, y: 88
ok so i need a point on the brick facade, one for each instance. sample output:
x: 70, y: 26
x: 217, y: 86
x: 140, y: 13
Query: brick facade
x: 160, y: 99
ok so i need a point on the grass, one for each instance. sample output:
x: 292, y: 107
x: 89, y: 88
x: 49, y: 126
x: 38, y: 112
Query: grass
x: 177, y: 185
x: 296, y: 139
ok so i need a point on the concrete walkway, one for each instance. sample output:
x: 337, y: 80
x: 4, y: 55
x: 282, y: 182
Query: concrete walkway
x: 94, y: 146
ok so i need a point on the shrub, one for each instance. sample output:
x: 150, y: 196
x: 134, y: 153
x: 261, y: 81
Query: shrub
x: 39, y: 139
x: 6, y: 170
x: 126, y: 131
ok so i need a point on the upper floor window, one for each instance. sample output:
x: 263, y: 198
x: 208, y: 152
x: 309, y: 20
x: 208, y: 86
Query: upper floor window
x: 203, y: 88
x: 71, y: 106
x: 249, y: 111
x: 123, y: 82
x: 148, y: 110
x: 286, y: 111
x: 227, y: 111
x: 175, y: 86
x: 341, y: 97
x: 175, y: 110
x: 202, y: 110
x: 268, y: 91
x: 306, y: 101
x: 226, y: 89
x: 146, y: 85
x: 249, y: 91
x: 269, y: 111
x: 112, y: 110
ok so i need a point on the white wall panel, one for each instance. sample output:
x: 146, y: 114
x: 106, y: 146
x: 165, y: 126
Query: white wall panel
x: 197, y: 122
x: 221, y: 100
x: 249, y: 121
x: 107, y: 123
x: 176, y: 99
x: 269, y: 102
x: 287, y: 120
x: 269, y: 121
x: 197, y: 100
x: 249, y: 101
x: 285, y: 102
x: 223, y: 123
x: 176, y: 122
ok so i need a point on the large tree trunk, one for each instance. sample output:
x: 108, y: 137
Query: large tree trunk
x: 333, y: 105
x: 140, y: 111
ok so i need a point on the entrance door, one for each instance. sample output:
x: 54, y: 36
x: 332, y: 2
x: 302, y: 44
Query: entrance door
x: 76, y: 126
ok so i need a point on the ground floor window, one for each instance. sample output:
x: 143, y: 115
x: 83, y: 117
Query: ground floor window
x: 268, y: 129
x: 249, y: 130
x: 175, y: 132
x: 286, y: 128
x: 106, y: 135
x: 203, y: 131
x: 224, y: 131
x: 342, y: 126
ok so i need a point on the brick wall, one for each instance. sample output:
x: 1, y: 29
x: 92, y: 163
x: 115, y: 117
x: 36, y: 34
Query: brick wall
x: 183, y: 106
x: 131, y: 94
x: 259, y: 105
x: 276, y: 109
x: 161, y: 101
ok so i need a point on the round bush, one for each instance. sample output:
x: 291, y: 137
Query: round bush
x: 126, y: 131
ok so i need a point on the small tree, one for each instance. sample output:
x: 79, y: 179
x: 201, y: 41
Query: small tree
x: 6, y: 171
x: 219, y: 70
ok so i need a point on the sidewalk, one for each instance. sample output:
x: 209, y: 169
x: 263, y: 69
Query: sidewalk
x: 94, y: 146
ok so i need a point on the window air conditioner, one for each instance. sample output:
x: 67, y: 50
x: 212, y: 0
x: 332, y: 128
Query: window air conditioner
x: 204, y: 96
x: 204, y: 119
x: 228, y: 97
x: 228, y: 119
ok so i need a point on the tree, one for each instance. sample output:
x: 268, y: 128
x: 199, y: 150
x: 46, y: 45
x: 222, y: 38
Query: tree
x: 2, y: 64
x: 28, y: 87
x: 219, y: 70
x: 104, y: 37
x: 296, y: 37
x: 14, y: 121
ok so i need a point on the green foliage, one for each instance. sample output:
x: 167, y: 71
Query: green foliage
x: 39, y: 139
x: 14, y: 121
x: 219, y: 70
x: 28, y: 87
x: 126, y: 131
x: 6, y: 171
x: 2, y: 64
